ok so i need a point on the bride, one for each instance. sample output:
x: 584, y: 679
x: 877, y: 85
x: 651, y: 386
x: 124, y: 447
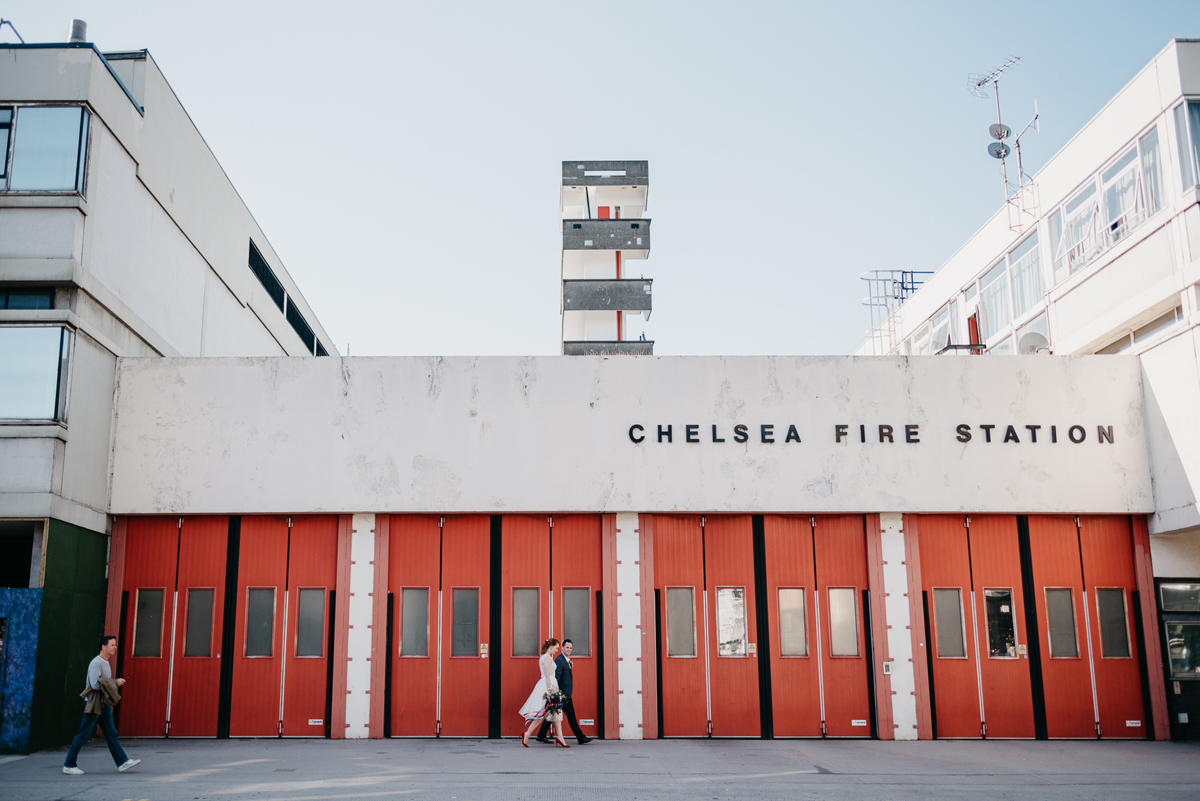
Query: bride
x: 546, y: 690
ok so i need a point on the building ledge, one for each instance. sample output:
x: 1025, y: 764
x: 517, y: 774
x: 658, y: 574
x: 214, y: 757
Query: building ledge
x: 637, y: 347
x: 598, y: 294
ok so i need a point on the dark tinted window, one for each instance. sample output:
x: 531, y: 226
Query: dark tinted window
x: 27, y: 299
x: 1114, y: 634
x: 465, y: 637
x: 198, y: 636
x: 296, y: 320
x: 1060, y: 614
x: 147, y: 631
x: 258, y: 266
x: 414, y: 622
x: 947, y: 610
x: 310, y: 623
x: 577, y: 622
x: 260, y: 621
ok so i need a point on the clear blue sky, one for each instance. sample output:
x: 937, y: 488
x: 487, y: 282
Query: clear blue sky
x: 403, y: 158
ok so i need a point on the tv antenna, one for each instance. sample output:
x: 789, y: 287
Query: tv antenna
x: 8, y: 22
x: 1021, y: 196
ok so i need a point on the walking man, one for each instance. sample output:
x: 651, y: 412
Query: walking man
x: 101, y: 693
x: 562, y: 674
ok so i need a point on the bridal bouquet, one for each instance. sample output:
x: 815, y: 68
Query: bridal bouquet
x: 554, y: 702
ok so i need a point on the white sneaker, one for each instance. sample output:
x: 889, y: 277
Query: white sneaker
x: 72, y: 771
x: 129, y: 763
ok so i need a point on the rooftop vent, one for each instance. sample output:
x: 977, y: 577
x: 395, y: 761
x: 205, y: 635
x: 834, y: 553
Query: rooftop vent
x: 78, y: 31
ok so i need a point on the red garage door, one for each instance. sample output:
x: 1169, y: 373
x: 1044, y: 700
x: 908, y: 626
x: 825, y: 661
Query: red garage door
x: 466, y: 585
x: 841, y: 573
x: 524, y: 613
x: 731, y: 618
x: 791, y: 596
x: 414, y: 582
x: 152, y: 549
x: 575, y: 572
x: 679, y: 584
x: 311, y: 576
x: 259, y: 641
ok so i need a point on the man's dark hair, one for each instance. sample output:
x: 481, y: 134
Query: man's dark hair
x: 565, y: 641
x: 105, y: 638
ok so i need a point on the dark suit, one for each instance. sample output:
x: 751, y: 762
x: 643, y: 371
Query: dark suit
x: 566, y: 684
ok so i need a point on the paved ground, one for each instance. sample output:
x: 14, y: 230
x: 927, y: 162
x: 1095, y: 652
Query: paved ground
x: 462, y: 770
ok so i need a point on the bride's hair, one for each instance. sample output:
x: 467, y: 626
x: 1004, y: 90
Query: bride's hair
x: 548, y: 644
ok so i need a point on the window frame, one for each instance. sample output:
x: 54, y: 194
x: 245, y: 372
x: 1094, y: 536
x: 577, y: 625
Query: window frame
x: 212, y: 629
x: 779, y: 622
x: 695, y: 654
x: 428, y: 618
x: 591, y: 654
x: 478, y: 621
x: 1189, y: 143
x: 858, y: 632
x: 82, y: 170
x: 512, y: 604
x: 246, y: 620
x: 1012, y: 596
x: 962, y: 622
x: 62, y: 397
x: 1129, y: 642
x: 162, y: 625
x: 1074, y: 622
x: 745, y: 620
x: 324, y: 623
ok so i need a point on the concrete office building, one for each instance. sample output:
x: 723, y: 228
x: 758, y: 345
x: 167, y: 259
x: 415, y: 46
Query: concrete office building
x: 120, y: 236
x: 897, y: 547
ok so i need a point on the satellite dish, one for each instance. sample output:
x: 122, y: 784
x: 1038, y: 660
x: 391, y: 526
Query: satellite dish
x: 998, y: 150
x: 999, y: 131
x: 1032, y: 343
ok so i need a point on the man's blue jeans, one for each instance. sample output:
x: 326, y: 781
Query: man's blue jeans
x: 85, y: 733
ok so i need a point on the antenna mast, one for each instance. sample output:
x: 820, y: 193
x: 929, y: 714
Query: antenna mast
x: 1020, y: 197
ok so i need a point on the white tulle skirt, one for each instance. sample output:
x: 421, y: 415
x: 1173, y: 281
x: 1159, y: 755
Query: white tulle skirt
x: 534, y: 707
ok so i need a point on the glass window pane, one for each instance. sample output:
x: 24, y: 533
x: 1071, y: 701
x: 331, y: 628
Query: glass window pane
x: 843, y: 622
x: 30, y: 299
x: 147, y: 632
x: 414, y: 622
x: 310, y: 623
x: 525, y: 622
x: 993, y: 302
x: 1026, y: 276
x: 1185, y: 154
x: 793, y: 624
x: 731, y: 621
x: 1120, y: 197
x: 1057, y: 248
x: 1151, y: 171
x: 947, y: 611
x: 1183, y: 647
x: 1180, y: 597
x: 681, y: 622
x: 197, y: 638
x: 30, y: 362
x: 47, y: 148
x: 577, y: 620
x: 1159, y: 324
x: 1001, y: 623
x: 1034, y: 335
x: 260, y: 621
x: 1060, y: 613
x: 1193, y: 113
x: 1001, y: 348
x: 1114, y: 634
x: 465, y: 636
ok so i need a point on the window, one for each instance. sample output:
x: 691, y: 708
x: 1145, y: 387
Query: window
x: 1026, y: 269
x: 1183, y: 648
x: 1034, y: 336
x: 993, y: 301
x: 33, y: 372
x: 1144, y: 333
x: 414, y: 621
x: 310, y: 622
x: 1002, y: 348
x: 1001, y: 623
x: 1060, y: 616
x: 577, y: 620
x: 6, y: 118
x: 465, y: 635
x: 20, y: 557
x: 148, y: 623
x: 525, y: 622
x: 843, y: 622
x: 1151, y: 172
x: 731, y: 621
x: 793, y: 623
x: 939, y: 335
x: 49, y: 149
x: 300, y: 326
x: 1187, y: 134
x: 1121, y: 195
x: 1114, y: 631
x: 260, y: 621
x: 920, y: 345
x: 1180, y: 597
x: 1079, y: 234
x: 197, y: 637
x: 948, y: 616
x: 681, y: 621
x: 26, y: 299
x: 262, y: 271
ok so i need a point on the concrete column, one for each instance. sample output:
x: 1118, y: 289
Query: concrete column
x: 899, y: 635
x: 361, y: 611
x: 629, y: 627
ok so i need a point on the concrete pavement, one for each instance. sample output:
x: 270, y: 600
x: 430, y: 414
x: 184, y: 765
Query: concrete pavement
x: 462, y: 770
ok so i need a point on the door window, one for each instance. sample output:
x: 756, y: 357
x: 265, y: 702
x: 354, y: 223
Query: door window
x: 948, y: 617
x: 1001, y: 623
x: 843, y: 621
x: 260, y: 621
x: 577, y: 620
x: 1060, y: 616
x: 465, y: 636
x: 148, y: 623
x: 197, y: 637
x: 310, y: 623
x: 1183, y: 648
x: 525, y: 621
x: 1114, y: 628
x: 731, y: 621
x: 793, y: 623
x: 414, y: 621
x: 1180, y: 597
x: 681, y: 621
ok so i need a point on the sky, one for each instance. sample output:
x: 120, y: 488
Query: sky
x: 403, y: 158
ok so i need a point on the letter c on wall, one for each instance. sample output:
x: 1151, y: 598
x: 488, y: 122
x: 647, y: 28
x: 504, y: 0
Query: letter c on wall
x: 633, y: 428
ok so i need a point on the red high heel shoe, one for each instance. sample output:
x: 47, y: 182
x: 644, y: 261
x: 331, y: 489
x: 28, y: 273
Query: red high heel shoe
x: 560, y: 742
x: 525, y: 739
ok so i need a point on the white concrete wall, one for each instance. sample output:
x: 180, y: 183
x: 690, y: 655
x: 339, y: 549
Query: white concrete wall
x: 553, y: 434
x: 629, y: 627
x: 899, y: 622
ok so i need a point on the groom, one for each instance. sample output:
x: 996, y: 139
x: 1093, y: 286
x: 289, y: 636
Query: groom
x: 562, y: 674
